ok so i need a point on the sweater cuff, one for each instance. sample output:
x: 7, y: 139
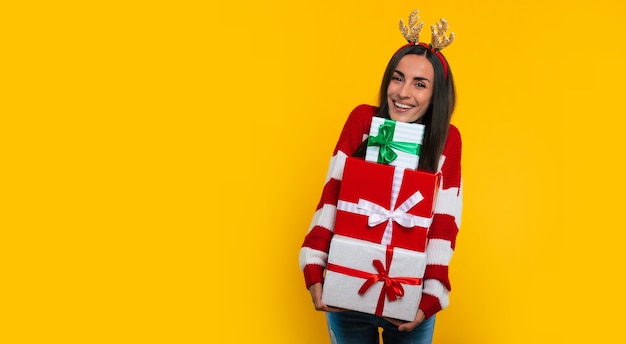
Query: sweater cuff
x: 429, y: 305
x: 313, y: 273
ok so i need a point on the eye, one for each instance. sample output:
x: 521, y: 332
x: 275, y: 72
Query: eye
x: 420, y: 84
x: 396, y: 78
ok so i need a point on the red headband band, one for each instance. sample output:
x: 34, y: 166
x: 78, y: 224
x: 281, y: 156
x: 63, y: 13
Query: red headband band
x: 435, y: 51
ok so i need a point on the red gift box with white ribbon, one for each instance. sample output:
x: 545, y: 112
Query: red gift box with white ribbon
x: 385, y: 204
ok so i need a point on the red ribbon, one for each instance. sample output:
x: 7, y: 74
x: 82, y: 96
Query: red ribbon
x: 392, y: 286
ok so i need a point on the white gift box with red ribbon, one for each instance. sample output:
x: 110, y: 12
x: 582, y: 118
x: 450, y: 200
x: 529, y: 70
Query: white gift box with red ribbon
x: 373, y: 278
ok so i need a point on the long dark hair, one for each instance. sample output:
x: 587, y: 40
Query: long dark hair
x: 437, y: 118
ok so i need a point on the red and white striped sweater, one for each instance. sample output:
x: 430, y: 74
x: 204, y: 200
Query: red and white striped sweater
x: 441, y: 234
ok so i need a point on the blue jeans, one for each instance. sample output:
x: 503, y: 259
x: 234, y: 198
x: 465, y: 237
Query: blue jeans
x: 352, y: 327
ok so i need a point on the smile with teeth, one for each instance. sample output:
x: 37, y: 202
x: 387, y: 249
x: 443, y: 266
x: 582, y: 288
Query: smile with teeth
x: 402, y: 106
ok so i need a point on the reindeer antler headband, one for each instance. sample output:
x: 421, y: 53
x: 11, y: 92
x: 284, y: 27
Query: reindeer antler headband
x: 438, y: 39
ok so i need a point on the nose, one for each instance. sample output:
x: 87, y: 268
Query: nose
x: 404, y: 90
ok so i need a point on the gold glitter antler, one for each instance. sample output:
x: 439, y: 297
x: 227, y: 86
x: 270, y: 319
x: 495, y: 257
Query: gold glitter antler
x: 414, y: 34
x: 439, y: 39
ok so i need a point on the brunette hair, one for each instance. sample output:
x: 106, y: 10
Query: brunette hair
x: 437, y: 118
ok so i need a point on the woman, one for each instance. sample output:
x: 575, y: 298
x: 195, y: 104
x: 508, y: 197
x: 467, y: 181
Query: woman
x: 417, y: 87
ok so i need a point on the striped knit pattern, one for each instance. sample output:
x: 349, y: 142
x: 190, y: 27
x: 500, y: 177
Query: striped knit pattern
x: 441, y: 235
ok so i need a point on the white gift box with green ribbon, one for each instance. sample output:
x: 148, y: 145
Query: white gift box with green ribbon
x: 394, y: 143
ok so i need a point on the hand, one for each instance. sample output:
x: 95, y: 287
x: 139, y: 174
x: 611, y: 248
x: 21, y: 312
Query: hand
x: 316, y: 296
x: 408, y: 326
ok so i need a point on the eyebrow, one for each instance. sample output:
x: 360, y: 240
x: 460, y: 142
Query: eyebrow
x: 417, y: 78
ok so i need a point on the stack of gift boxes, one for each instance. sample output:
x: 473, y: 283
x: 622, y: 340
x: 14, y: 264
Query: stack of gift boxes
x: 376, y: 260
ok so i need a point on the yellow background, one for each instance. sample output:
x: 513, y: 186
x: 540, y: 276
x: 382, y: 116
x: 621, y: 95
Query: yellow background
x: 162, y: 161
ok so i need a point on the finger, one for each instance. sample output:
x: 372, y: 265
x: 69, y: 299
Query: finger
x: 395, y: 321
x: 335, y: 309
x: 408, y: 327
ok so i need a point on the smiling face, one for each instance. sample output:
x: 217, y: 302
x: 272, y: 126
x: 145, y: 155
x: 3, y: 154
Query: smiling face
x: 411, y: 88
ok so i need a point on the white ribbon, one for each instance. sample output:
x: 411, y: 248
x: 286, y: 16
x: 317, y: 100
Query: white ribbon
x: 378, y: 214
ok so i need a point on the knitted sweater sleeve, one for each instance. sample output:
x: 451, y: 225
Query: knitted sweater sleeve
x: 444, y: 228
x: 314, y: 250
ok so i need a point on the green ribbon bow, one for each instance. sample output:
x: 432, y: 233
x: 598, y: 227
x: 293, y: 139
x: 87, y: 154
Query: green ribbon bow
x: 384, y: 139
